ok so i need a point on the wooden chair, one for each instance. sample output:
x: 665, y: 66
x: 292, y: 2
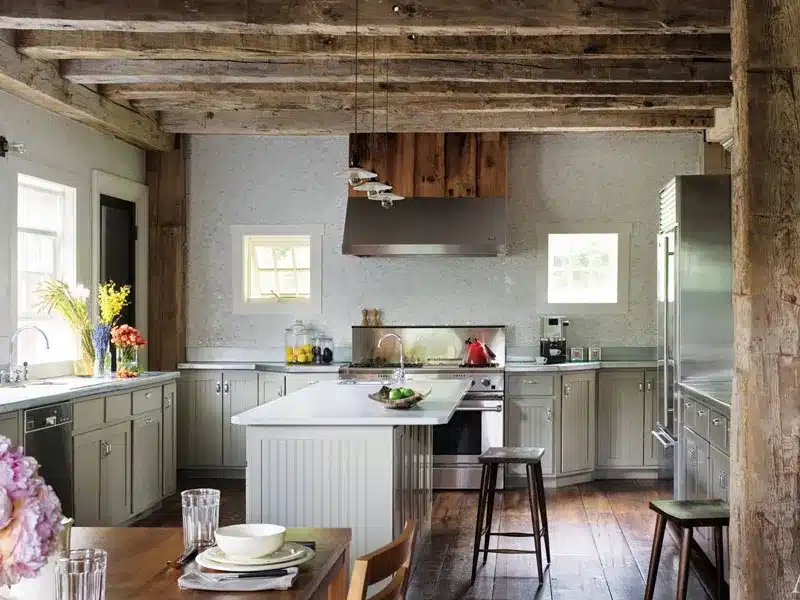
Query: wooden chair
x: 393, y: 560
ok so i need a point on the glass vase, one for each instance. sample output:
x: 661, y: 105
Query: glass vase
x: 127, y: 361
x: 102, y: 359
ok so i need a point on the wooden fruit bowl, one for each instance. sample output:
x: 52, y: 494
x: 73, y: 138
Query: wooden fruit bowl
x: 382, y: 396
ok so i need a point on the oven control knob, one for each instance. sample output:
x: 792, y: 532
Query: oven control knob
x: 486, y: 382
x: 472, y: 383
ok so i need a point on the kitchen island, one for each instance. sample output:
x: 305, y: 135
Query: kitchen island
x: 329, y: 456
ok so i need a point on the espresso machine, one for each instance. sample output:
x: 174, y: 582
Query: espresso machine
x: 553, y: 343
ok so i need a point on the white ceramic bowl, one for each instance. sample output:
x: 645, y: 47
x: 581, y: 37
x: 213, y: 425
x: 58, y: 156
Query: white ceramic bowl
x: 250, y: 540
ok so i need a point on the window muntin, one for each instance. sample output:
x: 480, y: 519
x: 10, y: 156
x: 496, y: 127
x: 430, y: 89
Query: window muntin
x: 582, y: 268
x: 278, y: 267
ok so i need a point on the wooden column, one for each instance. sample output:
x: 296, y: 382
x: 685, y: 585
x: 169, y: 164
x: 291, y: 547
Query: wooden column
x: 765, y: 453
x: 166, y: 179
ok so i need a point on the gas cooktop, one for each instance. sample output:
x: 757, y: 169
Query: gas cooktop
x: 434, y: 365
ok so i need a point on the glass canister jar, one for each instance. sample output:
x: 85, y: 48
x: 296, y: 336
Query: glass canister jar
x: 325, y: 349
x: 298, y: 344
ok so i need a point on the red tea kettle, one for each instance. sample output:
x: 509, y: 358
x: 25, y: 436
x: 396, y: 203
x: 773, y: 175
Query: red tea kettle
x: 478, y: 354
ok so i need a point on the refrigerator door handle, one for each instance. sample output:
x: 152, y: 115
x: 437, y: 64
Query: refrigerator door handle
x: 663, y: 438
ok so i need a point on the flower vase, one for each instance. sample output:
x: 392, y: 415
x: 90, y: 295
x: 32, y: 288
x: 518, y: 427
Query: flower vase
x: 127, y: 361
x: 102, y: 358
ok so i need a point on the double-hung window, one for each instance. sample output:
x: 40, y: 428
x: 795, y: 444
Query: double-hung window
x: 46, y: 248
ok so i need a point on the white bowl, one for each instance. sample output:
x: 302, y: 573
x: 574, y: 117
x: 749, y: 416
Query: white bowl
x: 250, y: 540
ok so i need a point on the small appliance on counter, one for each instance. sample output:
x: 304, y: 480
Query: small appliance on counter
x: 553, y: 344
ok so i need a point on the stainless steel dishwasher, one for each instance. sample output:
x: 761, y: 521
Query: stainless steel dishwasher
x: 48, y: 438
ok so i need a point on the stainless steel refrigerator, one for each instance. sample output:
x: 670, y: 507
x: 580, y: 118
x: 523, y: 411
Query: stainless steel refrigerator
x: 694, y: 301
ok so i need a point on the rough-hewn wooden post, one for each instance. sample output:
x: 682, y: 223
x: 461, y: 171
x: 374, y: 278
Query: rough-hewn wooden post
x: 765, y: 487
x: 166, y: 179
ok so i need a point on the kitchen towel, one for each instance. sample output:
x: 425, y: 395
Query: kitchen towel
x: 194, y: 579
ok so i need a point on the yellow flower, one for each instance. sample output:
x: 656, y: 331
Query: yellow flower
x: 111, y: 300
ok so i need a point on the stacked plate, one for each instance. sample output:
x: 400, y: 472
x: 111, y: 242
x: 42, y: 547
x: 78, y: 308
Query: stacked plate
x: 290, y: 554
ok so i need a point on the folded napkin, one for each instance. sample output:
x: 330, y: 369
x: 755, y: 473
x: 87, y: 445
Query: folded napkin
x: 194, y: 579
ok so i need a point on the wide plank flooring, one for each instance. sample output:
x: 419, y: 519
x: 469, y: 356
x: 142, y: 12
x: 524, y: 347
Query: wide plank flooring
x: 600, y: 537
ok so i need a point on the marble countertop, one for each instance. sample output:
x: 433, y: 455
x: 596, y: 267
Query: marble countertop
x: 269, y: 367
x: 62, y: 389
x: 530, y: 366
x: 333, y: 403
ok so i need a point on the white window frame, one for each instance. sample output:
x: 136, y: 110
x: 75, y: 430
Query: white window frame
x: 274, y: 306
x: 623, y: 232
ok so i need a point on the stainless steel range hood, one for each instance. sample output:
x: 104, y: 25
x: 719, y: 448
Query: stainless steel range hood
x: 425, y: 227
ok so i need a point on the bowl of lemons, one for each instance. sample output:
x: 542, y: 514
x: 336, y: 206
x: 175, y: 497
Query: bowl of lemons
x: 398, y: 398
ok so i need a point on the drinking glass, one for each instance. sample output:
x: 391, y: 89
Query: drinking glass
x: 200, y: 517
x: 81, y: 575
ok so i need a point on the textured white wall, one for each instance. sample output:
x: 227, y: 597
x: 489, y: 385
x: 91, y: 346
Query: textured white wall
x: 60, y: 144
x: 553, y: 178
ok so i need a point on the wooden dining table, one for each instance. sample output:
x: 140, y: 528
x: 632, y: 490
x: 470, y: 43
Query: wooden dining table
x: 137, y: 566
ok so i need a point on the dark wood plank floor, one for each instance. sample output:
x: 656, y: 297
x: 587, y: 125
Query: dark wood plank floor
x: 600, y: 537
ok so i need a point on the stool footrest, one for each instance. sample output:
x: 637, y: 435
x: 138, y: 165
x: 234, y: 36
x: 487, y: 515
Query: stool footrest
x: 509, y: 551
x: 517, y: 534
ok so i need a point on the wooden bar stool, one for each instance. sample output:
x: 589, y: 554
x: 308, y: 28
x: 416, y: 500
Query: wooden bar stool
x: 687, y: 514
x: 491, y: 461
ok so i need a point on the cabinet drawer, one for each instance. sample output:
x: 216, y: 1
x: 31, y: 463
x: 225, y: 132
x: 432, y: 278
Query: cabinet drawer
x: 118, y: 407
x: 701, y: 419
x: 146, y: 400
x: 531, y: 385
x: 87, y: 415
x: 718, y: 430
x: 689, y: 412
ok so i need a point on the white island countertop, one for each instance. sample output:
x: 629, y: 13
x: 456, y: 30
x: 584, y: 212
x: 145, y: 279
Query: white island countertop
x: 342, y: 404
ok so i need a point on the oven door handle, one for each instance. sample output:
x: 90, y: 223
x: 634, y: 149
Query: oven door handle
x: 498, y: 408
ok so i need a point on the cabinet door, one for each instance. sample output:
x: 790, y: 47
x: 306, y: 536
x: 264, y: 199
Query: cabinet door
x: 296, y: 382
x: 653, y: 450
x: 147, y: 463
x: 270, y: 387
x: 720, y: 469
x: 620, y: 419
x: 88, y: 451
x: 9, y: 427
x: 115, y: 475
x: 578, y: 422
x: 199, y: 415
x: 530, y: 423
x: 169, y: 484
x: 240, y: 393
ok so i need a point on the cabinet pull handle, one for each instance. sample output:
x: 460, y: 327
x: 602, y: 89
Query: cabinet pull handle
x: 106, y: 449
x: 649, y: 385
x: 148, y: 420
x: 549, y: 415
x: 532, y: 381
x: 227, y: 388
x: 280, y: 393
x: 688, y: 405
x: 701, y: 412
x: 641, y: 386
x: 566, y: 390
x: 716, y: 422
x: 723, y: 480
x: 219, y: 387
x: 148, y: 394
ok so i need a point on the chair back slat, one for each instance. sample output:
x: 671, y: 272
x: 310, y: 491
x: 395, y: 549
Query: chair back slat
x: 392, y: 560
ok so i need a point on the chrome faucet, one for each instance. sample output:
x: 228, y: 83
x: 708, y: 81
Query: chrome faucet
x: 399, y: 374
x: 12, y: 371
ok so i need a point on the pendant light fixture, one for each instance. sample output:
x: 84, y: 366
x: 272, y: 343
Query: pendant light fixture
x: 354, y: 174
x: 372, y: 187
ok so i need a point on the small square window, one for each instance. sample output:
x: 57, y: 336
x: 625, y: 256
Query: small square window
x: 277, y: 269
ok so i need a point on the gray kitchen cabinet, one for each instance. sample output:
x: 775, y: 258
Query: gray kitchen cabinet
x: 9, y: 427
x: 578, y: 404
x: 620, y: 419
x: 697, y: 467
x: 720, y: 474
x: 239, y: 393
x: 169, y: 484
x: 270, y: 387
x: 146, y: 465
x: 298, y: 381
x: 529, y: 422
x: 653, y: 450
x: 199, y: 415
x: 102, y: 476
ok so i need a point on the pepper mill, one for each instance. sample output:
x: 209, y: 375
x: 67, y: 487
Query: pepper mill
x: 364, y: 320
x: 376, y: 318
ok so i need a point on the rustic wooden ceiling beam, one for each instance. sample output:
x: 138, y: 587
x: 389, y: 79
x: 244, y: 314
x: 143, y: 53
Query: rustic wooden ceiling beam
x: 39, y: 82
x: 305, y: 122
x: 434, y: 88
x: 61, y: 45
x: 328, y: 101
x: 338, y: 70
x: 338, y: 16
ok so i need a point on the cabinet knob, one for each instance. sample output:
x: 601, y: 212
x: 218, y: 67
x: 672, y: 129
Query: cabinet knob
x: 701, y: 412
x: 227, y: 388
x: 219, y: 387
x: 566, y: 390
x: 716, y: 422
x: 148, y: 394
x: 148, y: 420
x: 280, y: 393
x: 641, y: 386
x: 688, y: 405
x: 649, y: 386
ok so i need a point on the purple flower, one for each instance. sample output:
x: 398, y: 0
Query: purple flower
x: 30, y: 516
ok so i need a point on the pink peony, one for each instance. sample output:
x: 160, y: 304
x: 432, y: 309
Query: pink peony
x: 30, y: 516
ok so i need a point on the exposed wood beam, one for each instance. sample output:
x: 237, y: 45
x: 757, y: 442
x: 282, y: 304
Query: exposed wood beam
x: 339, y: 122
x: 61, y: 45
x: 205, y: 101
x: 39, y: 82
x: 333, y: 70
x: 432, y: 88
x: 338, y: 16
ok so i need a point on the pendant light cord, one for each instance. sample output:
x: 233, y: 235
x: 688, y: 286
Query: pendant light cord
x: 386, y: 89
x: 355, y: 107
x: 374, y: 68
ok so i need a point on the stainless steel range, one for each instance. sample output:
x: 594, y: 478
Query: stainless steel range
x: 438, y: 353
